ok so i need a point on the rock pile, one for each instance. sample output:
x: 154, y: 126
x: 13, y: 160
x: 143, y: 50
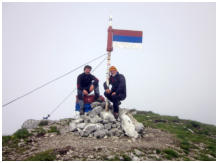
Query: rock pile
x: 98, y: 123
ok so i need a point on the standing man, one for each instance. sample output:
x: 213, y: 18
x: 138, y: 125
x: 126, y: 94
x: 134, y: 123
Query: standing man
x: 118, y: 90
x: 86, y: 83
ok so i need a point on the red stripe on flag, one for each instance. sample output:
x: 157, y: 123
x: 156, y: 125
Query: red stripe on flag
x: 127, y: 33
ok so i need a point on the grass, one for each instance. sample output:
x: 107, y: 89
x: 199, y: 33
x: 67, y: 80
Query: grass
x: 5, y: 140
x: 53, y: 129
x: 40, y: 131
x: 170, y: 153
x: 43, y: 156
x: 126, y: 157
x: 202, y: 133
x: 21, y: 134
x: 13, y: 140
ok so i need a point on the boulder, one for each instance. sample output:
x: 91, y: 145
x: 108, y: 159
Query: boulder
x: 108, y: 116
x: 95, y: 111
x: 90, y: 128
x: 81, y: 125
x: 96, y: 119
x: 79, y: 120
x: 100, y: 133
x: 30, y: 124
x: 72, y: 126
x: 128, y: 125
x: 108, y: 126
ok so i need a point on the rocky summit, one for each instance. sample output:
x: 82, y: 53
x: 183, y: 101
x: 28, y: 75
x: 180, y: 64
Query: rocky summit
x: 97, y: 135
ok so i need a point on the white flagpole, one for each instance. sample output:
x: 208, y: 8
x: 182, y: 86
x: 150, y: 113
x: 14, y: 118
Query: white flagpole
x: 108, y: 66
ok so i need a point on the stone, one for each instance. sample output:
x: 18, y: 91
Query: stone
x: 108, y: 126
x: 138, y: 152
x: 79, y: 120
x: 110, y: 157
x: 133, y: 157
x: 96, y: 111
x: 65, y: 129
x: 81, y: 125
x: 100, y: 133
x: 107, y: 115
x: 72, y: 126
x: 95, y: 104
x: 113, y: 126
x: 100, y: 126
x: 128, y: 125
x: 30, y: 124
x: 103, y: 104
x: 96, y: 119
x: 139, y: 127
x: 91, y: 128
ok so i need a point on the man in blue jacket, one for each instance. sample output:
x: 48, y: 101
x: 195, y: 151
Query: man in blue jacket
x: 118, y: 91
x: 86, y: 83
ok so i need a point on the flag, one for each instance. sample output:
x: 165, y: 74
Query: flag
x: 127, y: 38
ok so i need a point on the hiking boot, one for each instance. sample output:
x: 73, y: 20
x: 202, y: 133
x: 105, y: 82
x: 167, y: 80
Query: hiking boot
x: 81, y: 111
x: 116, y: 115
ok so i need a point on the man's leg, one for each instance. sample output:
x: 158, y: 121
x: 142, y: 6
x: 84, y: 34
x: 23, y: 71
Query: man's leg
x: 81, y: 102
x: 116, y: 102
x: 96, y: 91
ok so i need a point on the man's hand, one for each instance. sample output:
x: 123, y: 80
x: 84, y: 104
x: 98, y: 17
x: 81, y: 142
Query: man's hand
x: 114, y: 93
x: 85, y: 92
x: 108, y: 91
x: 91, y: 88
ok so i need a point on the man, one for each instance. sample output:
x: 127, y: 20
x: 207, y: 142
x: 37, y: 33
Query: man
x: 86, y: 83
x: 118, y: 90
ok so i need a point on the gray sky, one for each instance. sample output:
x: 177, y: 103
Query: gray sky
x: 173, y: 74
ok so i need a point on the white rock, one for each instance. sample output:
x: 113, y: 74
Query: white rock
x: 30, y: 124
x: 95, y: 119
x: 72, y: 126
x: 81, y: 125
x: 107, y: 115
x: 128, y: 125
x: 79, y: 120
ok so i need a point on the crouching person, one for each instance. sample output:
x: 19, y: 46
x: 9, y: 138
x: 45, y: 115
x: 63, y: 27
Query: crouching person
x: 86, y: 83
x: 118, y: 90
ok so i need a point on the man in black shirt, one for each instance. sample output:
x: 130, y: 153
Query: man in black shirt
x: 118, y: 90
x: 86, y: 83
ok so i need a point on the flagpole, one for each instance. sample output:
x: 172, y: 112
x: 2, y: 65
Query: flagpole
x: 109, y: 49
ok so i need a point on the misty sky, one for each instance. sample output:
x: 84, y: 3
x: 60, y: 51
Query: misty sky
x: 173, y: 74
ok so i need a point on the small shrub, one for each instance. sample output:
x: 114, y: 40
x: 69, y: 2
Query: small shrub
x: 40, y: 131
x: 170, y: 153
x: 126, y: 157
x: 43, y: 156
x: 21, y: 133
x: 158, y: 151
x: 54, y: 129
x: 185, y: 146
x: 5, y: 140
x: 43, y: 123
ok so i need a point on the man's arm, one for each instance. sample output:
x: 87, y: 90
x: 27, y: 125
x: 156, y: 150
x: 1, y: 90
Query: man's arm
x: 79, y: 83
x: 122, y: 84
x: 94, y: 81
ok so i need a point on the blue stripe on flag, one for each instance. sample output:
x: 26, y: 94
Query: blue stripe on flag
x: 127, y: 39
